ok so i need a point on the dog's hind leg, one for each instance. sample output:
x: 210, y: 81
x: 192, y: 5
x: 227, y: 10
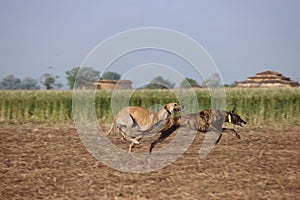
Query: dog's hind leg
x: 126, y: 128
x: 133, y: 144
x: 128, y: 137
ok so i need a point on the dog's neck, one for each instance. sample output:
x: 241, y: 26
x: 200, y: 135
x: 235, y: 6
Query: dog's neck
x: 169, y: 112
x: 228, y: 117
x: 164, y: 114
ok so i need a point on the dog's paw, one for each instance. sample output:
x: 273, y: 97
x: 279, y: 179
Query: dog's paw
x: 134, y: 141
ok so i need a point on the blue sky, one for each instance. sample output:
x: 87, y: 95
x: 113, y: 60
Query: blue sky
x: 242, y: 37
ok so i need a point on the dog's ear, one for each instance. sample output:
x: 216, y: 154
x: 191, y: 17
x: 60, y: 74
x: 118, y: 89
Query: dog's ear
x: 166, y: 107
x: 233, y: 110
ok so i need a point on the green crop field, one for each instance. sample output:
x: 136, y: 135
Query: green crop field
x: 257, y: 106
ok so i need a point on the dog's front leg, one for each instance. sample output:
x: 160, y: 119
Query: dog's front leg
x: 215, y: 130
x: 231, y: 129
x: 218, y: 139
x: 163, y: 136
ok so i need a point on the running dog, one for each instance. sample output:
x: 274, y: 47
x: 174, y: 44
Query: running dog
x: 202, y: 122
x: 132, y: 120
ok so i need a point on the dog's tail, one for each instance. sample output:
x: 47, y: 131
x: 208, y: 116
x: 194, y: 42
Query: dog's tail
x: 111, y: 127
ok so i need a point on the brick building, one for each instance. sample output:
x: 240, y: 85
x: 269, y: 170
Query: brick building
x: 113, y: 84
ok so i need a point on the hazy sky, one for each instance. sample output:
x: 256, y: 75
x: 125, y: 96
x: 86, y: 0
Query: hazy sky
x: 242, y: 37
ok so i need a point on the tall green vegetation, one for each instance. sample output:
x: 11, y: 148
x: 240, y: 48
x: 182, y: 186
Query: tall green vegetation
x: 276, y: 106
x: 35, y: 106
x: 257, y: 106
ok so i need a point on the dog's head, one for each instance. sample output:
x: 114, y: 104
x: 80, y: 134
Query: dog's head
x: 234, y: 118
x: 173, y: 107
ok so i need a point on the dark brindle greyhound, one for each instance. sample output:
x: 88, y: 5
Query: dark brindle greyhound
x: 202, y: 122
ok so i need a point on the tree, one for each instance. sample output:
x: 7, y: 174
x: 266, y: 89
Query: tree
x: 10, y: 82
x: 234, y: 84
x: 51, y: 82
x: 13, y: 83
x: 159, y: 83
x: 85, y: 76
x: 188, y: 82
x: 28, y: 83
x: 213, y: 82
x: 111, y: 76
x: 71, y: 76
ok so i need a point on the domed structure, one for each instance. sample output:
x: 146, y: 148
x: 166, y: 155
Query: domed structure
x: 267, y: 79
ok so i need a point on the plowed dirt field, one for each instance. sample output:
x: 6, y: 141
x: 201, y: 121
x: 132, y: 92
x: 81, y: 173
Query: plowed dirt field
x: 50, y: 162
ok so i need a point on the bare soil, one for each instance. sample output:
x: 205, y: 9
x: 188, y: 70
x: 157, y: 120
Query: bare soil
x: 50, y: 162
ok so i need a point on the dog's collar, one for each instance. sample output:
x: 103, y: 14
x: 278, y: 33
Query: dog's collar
x: 229, y: 117
x: 168, y: 111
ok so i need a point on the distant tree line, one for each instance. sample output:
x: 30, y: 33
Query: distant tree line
x: 47, y: 81
x: 11, y: 82
x: 86, y: 76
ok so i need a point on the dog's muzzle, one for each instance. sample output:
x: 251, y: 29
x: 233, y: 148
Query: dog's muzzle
x: 180, y: 109
x: 242, y: 123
